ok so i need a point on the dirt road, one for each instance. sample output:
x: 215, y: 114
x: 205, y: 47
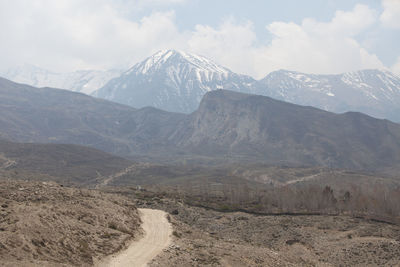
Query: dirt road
x: 105, y: 181
x: 157, y: 236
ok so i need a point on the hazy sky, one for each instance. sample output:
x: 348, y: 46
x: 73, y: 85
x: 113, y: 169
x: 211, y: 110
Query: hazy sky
x: 251, y: 37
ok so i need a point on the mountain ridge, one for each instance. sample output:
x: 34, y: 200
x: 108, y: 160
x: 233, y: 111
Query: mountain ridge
x: 176, y: 81
x: 172, y: 80
x: 162, y: 82
x: 84, y: 81
x: 228, y: 126
x: 374, y: 92
x: 286, y: 133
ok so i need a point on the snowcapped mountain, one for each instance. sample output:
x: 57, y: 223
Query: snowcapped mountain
x: 84, y: 81
x: 172, y: 80
x: 176, y: 81
x: 374, y: 92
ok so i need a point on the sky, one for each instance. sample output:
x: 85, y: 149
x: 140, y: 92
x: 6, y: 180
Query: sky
x: 249, y: 37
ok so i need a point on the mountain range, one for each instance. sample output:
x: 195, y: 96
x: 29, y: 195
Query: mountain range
x: 84, y: 81
x: 176, y: 81
x: 374, y: 92
x: 173, y: 81
x: 228, y: 126
x: 49, y: 115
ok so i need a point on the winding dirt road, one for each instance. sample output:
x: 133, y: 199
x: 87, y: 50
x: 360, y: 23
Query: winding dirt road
x: 157, y: 236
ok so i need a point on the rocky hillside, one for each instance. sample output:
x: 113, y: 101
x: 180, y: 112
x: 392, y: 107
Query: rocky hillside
x: 228, y: 126
x: 48, y: 115
x: 43, y: 224
x: 241, y: 125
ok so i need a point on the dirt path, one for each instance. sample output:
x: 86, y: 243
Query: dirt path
x: 131, y: 169
x: 157, y: 236
x: 6, y: 162
x: 303, y: 179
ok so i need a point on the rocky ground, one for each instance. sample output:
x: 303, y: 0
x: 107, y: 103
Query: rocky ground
x: 204, y: 237
x: 45, y: 224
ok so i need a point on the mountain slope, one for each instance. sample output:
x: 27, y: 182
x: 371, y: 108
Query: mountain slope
x: 84, y: 81
x: 228, y: 126
x: 176, y: 81
x: 47, y: 115
x: 374, y: 92
x: 173, y: 81
x: 260, y: 128
x: 69, y: 164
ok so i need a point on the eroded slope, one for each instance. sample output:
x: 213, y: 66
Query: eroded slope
x: 45, y: 224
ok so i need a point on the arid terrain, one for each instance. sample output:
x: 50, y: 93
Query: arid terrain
x: 157, y: 236
x: 47, y: 224
x: 44, y: 224
x: 220, y: 216
x: 203, y: 237
x: 199, y: 133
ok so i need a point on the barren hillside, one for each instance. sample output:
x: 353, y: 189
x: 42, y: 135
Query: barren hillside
x: 205, y: 237
x: 44, y: 224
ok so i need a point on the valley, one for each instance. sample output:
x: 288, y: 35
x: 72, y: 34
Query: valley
x: 242, y: 180
x: 227, y: 127
x: 220, y: 217
x: 207, y: 237
x: 204, y: 133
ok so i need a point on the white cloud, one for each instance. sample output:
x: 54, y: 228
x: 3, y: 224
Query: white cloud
x: 230, y: 44
x: 312, y: 46
x: 320, y: 47
x: 73, y: 34
x: 161, y: 2
x: 390, y: 16
x: 66, y: 35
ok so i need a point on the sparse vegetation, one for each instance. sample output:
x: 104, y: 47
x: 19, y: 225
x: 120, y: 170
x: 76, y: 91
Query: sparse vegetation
x: 378, y: 203
x: 245, y: 239
x: 44, y: 222
x: 284, y: 195
x: 176, y: 234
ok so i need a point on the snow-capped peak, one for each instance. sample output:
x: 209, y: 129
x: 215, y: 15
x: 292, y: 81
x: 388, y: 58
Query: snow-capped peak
x: 172, y: 80
x: 85, y: 81
x: 372, y: 91
x: 203, y: 62
x: 174, y: 58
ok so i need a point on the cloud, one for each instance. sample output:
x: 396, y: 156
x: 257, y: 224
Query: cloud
x: 229, y: 44
x: 321, y: 47
x: 71, y: 34
x: 66, y: 35
x: 162, y: 2
x: 312, y: 46
x: 396, y: 67
x: 390, y: 16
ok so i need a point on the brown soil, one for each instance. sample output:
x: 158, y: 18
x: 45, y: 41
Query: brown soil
x: 44, y: 224
x: 210, y: 238
x: 157, y: 236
